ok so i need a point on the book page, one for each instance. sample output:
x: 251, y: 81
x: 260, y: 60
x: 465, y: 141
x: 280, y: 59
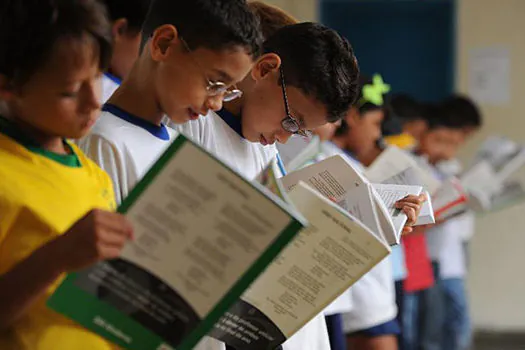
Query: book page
x: 482, y: 179
x: 318, y: 266
x: 198, y: 230
x: 337, y: 179
x: 411, y: 177
x: 333, y: 177
x: 512, y: 165
x: 450, y: 195
x: 394, y: 162
x: 426, y: 216
x: 513, y: 192
x: 361, y: 202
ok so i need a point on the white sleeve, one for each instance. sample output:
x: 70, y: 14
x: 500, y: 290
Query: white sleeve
x: 313, y: 336
x: 208, y: 343
x: 112, y: 160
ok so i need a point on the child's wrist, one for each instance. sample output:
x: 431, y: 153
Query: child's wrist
x: 50, y: 258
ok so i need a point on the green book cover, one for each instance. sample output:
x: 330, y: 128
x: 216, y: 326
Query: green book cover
x: 202, y: 235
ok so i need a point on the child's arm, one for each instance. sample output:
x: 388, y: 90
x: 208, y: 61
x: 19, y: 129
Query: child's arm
x: 411, y: 206
x: 99, y: 235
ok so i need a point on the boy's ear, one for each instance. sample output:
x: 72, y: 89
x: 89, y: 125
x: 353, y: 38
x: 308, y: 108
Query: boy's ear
x: 162, y: 40
x: 265, y: 66
x: 119, y: 28
x: 352, y: 117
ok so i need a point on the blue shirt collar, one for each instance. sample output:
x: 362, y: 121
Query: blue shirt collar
x: 159, y: 131
x: 232, y: 120
x: 350, y: 154
x: 114, y: 78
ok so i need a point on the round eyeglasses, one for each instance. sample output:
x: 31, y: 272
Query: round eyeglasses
x: 215, y: 88
x: 289, y: 123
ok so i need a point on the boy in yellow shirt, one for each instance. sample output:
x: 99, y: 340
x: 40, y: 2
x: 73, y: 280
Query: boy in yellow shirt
x: 54, y: 202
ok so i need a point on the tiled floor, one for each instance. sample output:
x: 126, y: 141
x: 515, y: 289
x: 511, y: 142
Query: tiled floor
x: 499, y: 342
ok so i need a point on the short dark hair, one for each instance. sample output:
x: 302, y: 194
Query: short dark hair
x: 463, y: 111
x: 435, y: 117
x: 320, y: 63
x: 405, y: 107
x: 30, y: 29
x: 212, y: 24
x: 271, y: 17
x: 134, y: 11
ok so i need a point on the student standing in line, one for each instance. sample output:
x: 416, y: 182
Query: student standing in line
x: 194, y: 53
x: 127, y: 17
x: 306, y: 77
x: 55, y: 204
x: 186, y: 68
x: 448, y: 328
x: 372, y: 323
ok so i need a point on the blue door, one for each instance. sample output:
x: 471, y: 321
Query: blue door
x: 410, y: 42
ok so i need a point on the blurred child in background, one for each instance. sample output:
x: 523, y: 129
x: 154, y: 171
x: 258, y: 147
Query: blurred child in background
x: 127, y: 18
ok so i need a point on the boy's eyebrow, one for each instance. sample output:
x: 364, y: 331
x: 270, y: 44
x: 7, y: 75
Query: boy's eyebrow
x: 224, y: 77
x: 300, y: 118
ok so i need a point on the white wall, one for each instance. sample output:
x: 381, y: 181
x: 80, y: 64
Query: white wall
x: 497, y: 277
x: 303, y: 10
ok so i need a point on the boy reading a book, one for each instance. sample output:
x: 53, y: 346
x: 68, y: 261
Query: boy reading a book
x: 54, y: 203
x: 306, y: 77
x: 449, y: 327
x: 194, y: 53
x: 422, y: 321
x: 407, y: 111
x: 371, y: 324
x: 127, y: 17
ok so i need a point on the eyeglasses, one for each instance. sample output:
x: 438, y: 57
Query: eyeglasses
x: 215, y: 88
x: 289, y: 123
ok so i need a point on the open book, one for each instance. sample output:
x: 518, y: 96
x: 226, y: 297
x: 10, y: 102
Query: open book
x: 489, y: 181
x: 396, y: 166
x: 202, y: 235
x: 320, y: 264
x: 373, y: 205
x: 396, y: 162
x: 513, y: 192
x: 450, y: 199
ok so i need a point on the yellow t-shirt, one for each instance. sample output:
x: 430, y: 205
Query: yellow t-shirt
x: 40, y: 198
x: 404, y: 141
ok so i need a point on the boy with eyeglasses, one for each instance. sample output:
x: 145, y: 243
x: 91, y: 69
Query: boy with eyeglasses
x: 306, y: 77
x: 186, y: 68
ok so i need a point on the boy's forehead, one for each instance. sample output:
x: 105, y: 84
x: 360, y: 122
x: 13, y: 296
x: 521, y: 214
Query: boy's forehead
x: 447, y: 132
x: 72, y: 55
x: 230, y: 65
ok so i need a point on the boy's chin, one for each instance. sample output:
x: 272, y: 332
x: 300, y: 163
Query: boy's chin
x: 78, y: 134
x: 183, y: 116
